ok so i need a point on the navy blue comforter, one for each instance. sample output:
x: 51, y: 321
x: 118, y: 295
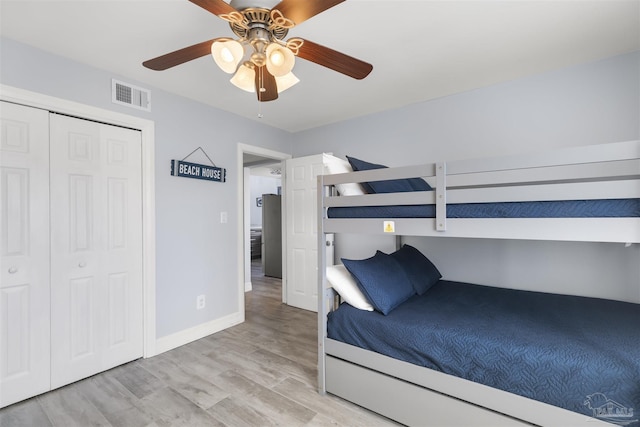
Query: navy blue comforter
x: 577, y: 353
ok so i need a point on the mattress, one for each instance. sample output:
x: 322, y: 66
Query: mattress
x: 573, y: 352
x: 601, y: 208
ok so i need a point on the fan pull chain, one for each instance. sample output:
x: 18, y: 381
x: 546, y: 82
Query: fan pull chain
x: 260, y: 89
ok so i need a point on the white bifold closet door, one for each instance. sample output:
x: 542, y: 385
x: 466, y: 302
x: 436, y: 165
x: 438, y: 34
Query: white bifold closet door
x: 24, y: 258
x: 96, y: 248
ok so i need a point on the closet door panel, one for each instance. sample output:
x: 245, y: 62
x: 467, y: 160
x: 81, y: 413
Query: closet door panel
x: 123, y: 244
x: 24, y: 257
x: 96, y: 248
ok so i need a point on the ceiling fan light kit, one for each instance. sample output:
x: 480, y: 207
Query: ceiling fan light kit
x: 260, y: 60
x: 227, y: 55
x: 280, y: 60
x: 244, y: 78
x: 286, y: 81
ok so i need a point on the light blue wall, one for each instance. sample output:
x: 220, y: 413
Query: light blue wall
x: 261, y: 185
x: 588, y: 104
x: 195, y: 253
x: 582, y: 105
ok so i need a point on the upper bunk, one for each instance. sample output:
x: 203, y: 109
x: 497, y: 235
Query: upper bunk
x: 588, y: 193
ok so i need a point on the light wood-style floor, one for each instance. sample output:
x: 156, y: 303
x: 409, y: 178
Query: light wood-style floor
x: 259, y: 373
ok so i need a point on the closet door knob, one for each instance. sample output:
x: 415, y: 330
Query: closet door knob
x: 13, y: 270
x: 82, y: 264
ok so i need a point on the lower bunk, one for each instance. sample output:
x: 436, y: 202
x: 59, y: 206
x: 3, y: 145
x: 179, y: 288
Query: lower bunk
x: 416, y: 396
x: 463, y: 354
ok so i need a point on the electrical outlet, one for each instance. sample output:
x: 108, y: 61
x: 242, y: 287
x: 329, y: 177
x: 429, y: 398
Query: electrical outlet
x: 200, y: 302
x: 223, y: 217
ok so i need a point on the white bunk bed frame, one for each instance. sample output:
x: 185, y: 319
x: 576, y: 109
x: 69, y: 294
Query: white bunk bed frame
x: 414, y: 395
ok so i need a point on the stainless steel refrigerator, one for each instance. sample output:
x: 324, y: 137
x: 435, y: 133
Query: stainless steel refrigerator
x: 272, y: 235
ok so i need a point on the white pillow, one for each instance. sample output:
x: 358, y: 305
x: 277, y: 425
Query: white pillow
x: 337, y: 165
x: 344, y: 284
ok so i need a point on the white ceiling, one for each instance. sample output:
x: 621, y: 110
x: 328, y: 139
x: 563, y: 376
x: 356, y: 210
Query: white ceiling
x: 420, y: 49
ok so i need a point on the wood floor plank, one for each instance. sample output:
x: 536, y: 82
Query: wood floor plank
x: 333, y: 410
x: 234, y: 411
x: 167, y: 407
x: 26, y: 413
x: 276, y: 407
x: 231, y: 339
x: 249, y: 367
x: 196, y: 388
x: 198, y: 363
x: 285, y: 365
x: 136, y: 379
x: 69, y: 407
x: 115, y: 401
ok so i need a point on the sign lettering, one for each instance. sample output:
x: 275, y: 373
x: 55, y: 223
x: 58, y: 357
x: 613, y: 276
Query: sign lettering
x: 194, y: 170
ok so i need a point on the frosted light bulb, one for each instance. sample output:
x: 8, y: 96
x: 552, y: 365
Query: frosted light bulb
x: 281, y: 60
x: 277, y: 58
x: 226, y: 55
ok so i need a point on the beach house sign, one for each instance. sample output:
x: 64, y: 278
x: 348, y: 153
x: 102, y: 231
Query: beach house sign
x: 198, y: 171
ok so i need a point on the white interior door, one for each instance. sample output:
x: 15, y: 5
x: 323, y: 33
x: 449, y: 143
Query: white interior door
x: 301, y: 230
x: 24, y: 261
x: 96, y: 248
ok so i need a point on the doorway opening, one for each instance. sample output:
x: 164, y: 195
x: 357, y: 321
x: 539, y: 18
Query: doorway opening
x: 262, y: 186
x: 265, y: 219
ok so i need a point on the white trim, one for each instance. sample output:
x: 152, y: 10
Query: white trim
x: 264, y: 152
x: 146, y: 127
x: 169, y: 342
x: 246, y: 240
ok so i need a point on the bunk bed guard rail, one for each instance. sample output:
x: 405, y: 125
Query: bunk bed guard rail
x: 603, y: 172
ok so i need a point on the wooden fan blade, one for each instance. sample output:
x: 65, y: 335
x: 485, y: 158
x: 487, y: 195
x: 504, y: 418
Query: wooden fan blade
x: 334, y: 60
x: 266, y: 86
x: 181, y: 56
x: 301, y: 10
x: 217, y: 7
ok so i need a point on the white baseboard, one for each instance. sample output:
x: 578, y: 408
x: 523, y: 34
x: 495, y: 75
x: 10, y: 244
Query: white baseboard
x: 247, y: 286
x: 186, y: 336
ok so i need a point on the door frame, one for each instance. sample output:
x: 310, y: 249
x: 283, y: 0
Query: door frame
x: 147, y: 129
x: 243, y: 226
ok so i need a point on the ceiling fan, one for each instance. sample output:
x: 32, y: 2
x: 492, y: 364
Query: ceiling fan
x: 260, y: 59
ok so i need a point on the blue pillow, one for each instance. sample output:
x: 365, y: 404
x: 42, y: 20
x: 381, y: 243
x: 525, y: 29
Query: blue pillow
x: 421, y: 272
x: 382, y: 280
x: 419, y: 184
x: 390, y: 186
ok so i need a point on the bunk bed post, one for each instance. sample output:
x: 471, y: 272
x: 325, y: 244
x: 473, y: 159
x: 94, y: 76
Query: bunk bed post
x: 322, y: 299
x: 441, y: 196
